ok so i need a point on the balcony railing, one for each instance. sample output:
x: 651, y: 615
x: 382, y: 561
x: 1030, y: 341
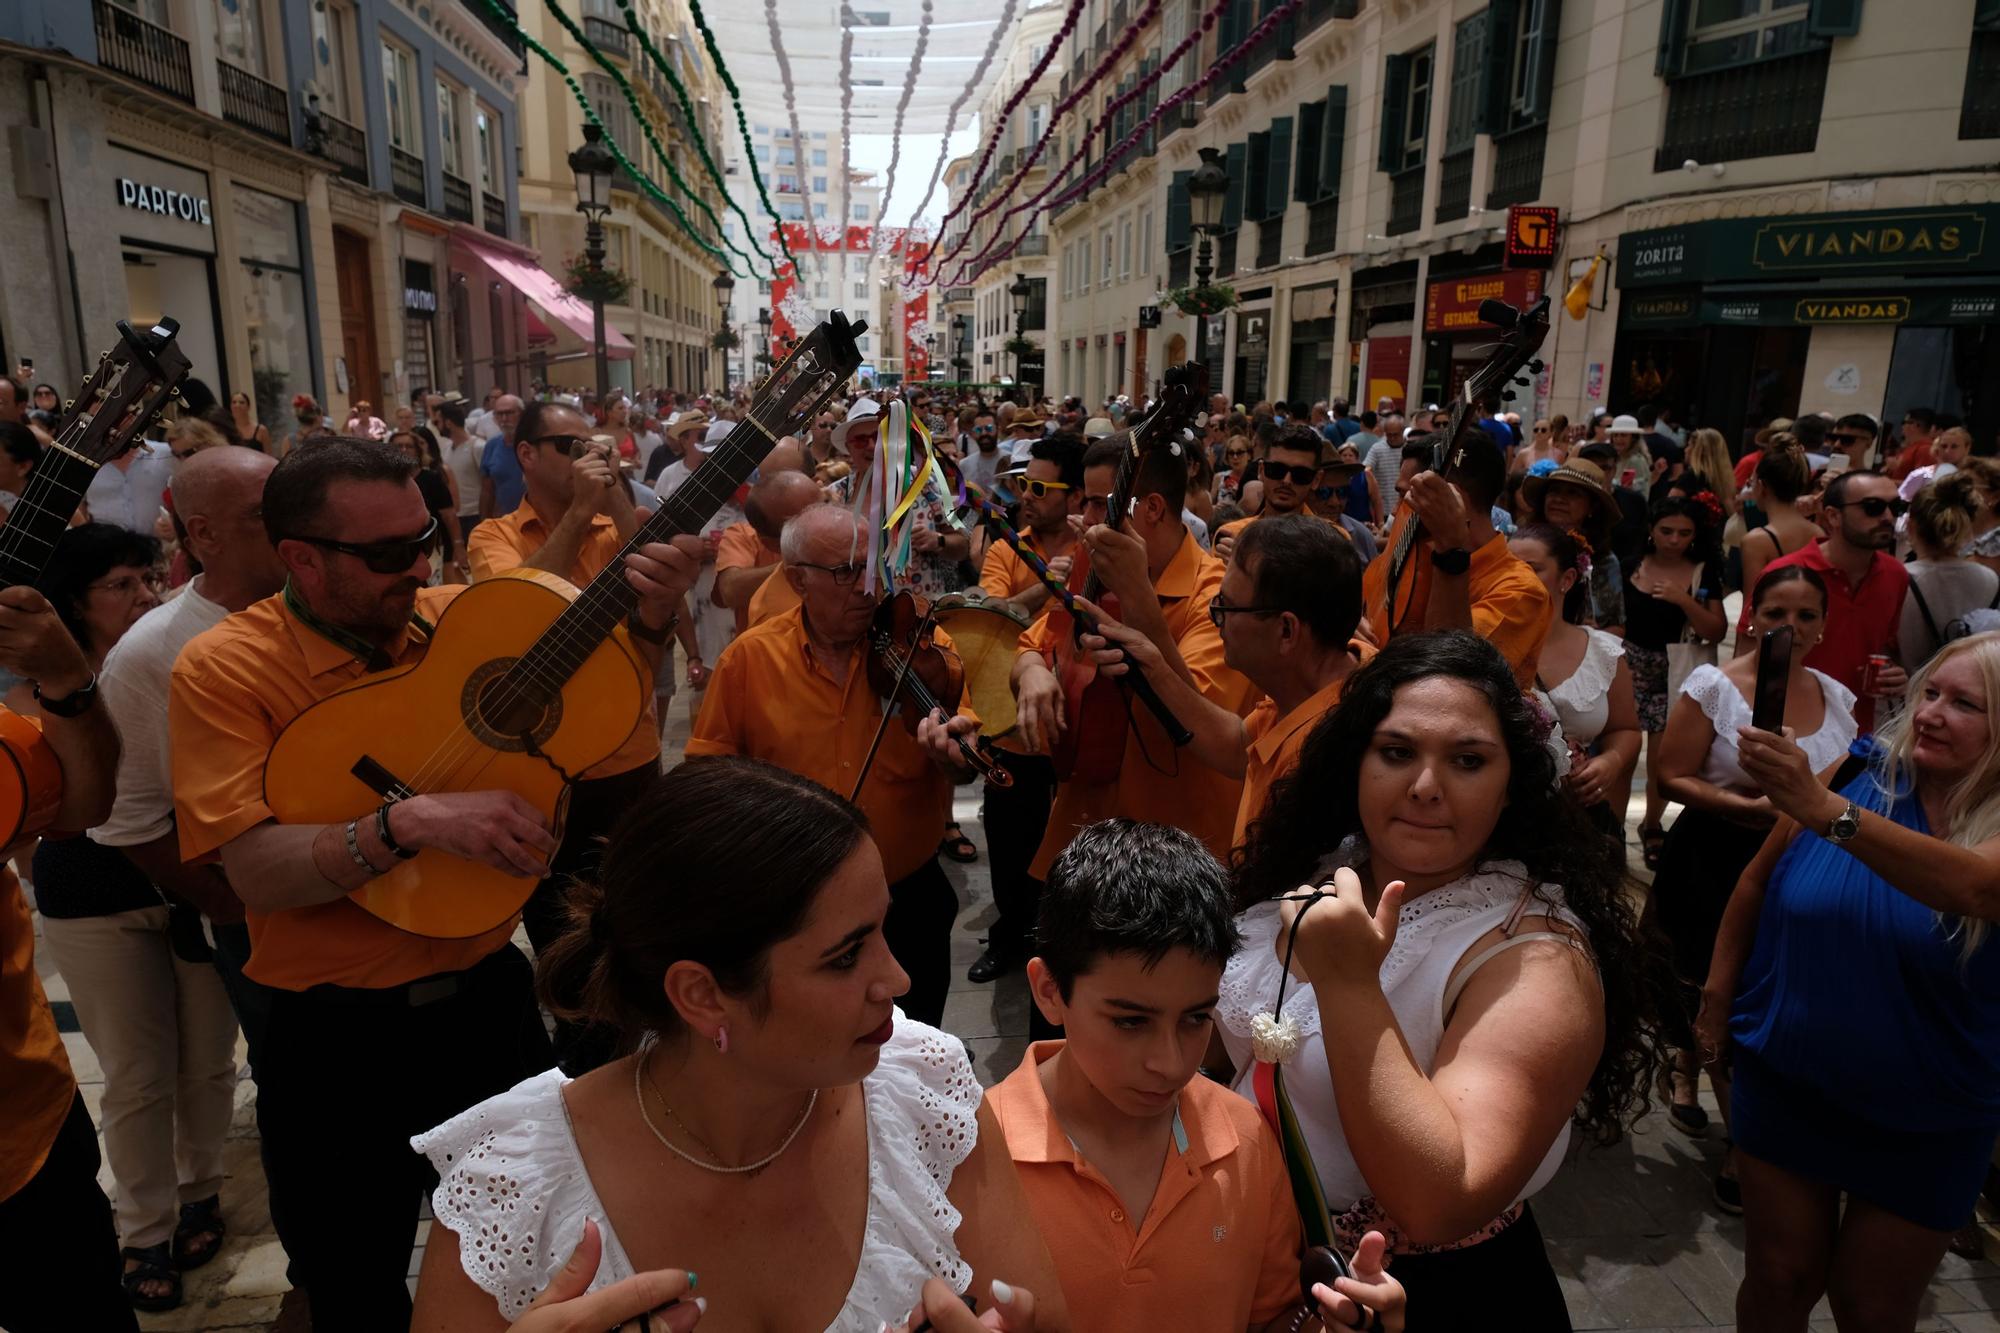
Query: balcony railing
x: 1319, y: 11
x: 1762, y: 109
x: 144, y: 51
x: 1033, y: 245
x: 1406, y: 201
x: 1179, y: 264
x: 608, y: 37
x: 1454, y: 186
x: 1322, y: 226
x: 344, y: 145
x: 457, y: 198
x: 499, y: 27
x: 254, y: 104
x: 1517, y: 166
x: 954, y: 295
x: 1270, y: 241
x: 496, y: 212
x: 406, y: 177
x: 1225, y: 254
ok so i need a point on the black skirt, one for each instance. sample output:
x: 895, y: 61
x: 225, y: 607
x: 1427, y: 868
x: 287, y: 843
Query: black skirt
x: 1504, y: 1282
x: 1703, y: 858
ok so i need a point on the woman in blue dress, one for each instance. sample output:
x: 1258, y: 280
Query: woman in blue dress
x: 1855, y: 978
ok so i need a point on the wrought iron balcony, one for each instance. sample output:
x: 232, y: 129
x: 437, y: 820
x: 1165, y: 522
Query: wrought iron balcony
x: 1225, y: 254
x: 608, y: 37
x: 1517, y: 166
x: 1270, y: 241
x: 1322, y: 226
x: 457, y: 198
x: 499, y: 27
x: 254, y: 104
x: 144, y: 51
x: 1454, y: 186
x: 1764, y: 109
x: 1179, y: 262
x: 406, y: 177
x: 342, y: 144
x: 1406, y: 201
x: 1033, y: 245
x: 496, y: 212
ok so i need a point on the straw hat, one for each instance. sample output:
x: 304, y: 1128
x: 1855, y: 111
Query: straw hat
x: 688, y: 421
x: 1096, y: 428
x: 1624, y: 425
x: 1577, y: 472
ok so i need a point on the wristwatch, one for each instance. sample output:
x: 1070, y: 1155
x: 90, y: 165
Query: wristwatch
x: 71, y: 704
x: 1844, y: 825
x: 638, y: 629
x: 1455, y: 561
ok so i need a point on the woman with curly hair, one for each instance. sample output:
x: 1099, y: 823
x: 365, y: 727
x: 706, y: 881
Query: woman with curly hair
x: 1466, y: 983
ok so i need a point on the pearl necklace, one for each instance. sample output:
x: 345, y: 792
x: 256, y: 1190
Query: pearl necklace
x: 639, y: 1090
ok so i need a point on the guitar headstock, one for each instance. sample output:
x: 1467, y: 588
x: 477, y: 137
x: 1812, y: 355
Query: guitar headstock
x: 125, y: 394
x: 1514, y: 353
x: 1183, y: 395
x: 823, y: 361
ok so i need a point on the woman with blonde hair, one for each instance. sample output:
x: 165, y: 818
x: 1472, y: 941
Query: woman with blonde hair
x: 1708, y: 455
x: 1854, y: 978
x: 1944, y: 585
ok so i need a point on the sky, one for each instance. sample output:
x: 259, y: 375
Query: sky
x: 870, y: 152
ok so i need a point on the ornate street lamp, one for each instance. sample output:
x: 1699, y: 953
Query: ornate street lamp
x: 1206, y: 189
x: 1019, y: 294
x: 724, y: 284
x: 592, y: 165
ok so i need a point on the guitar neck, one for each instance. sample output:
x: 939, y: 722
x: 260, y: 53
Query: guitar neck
x: 40, y: 517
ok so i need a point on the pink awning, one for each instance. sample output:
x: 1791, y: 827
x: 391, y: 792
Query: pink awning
x: 546, y: 292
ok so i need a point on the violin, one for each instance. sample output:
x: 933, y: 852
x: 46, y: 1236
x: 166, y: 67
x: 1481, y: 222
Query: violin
x: 908, y: 667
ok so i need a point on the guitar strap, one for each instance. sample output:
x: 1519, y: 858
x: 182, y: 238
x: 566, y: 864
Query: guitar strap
x: 374, y: 658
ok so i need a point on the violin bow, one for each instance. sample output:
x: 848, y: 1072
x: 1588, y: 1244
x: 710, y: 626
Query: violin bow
x: 889, y: 704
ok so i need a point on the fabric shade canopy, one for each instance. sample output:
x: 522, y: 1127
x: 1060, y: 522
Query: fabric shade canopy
x: 566, y: 310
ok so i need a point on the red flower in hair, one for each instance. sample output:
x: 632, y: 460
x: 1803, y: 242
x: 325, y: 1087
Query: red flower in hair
x: 1708, y: 502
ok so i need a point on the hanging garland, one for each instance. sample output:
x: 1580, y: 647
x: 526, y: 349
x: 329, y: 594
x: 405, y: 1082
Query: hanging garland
x: 896, y: 137
x: 792, y: 120
x: 1234, y: 55
x: 646, y: 129
x: 694, y: 128
x: 846, y: 139
x: 743, y: 125
x: 972, y: 85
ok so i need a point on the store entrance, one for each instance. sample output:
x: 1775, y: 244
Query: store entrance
x: 357, y: 317
x: 180, y: 285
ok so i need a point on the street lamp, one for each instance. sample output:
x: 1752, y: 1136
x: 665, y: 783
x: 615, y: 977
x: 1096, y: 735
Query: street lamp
x: 592, y: 165
x: 930, y: 354
x: 764, y: 320
x: 1018, y: 294
x: 1206, y: 189
x: 724, y: 284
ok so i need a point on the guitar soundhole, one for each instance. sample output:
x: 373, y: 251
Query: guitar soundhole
x: 507, y: 716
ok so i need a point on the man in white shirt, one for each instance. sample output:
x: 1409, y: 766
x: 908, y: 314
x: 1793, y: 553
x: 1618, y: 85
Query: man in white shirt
x: 461, y: 458
x: 127, y: 490
x: 479, y: 421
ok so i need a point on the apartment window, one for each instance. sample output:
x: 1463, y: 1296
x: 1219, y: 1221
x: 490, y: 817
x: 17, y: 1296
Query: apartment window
x: 1038, y: 121
x: 1125, y: 249
x: 762, y: 131
x: 448, y: 142
x: 1146, y: 243
x: 861, y: 212
x: 861, y: 291
x: 487, y: 125
x: 1722, y: 33
x: 399, y: 88
x: 1745, y: 78
x: 819, y: 185
x: 791, y: 210
x: 787, y: 156
x: 788, y: 184
x: 819, y: 134
x: 819, y: 157
x: 1083, y: 271
x: 819, y: 291
x: 333, y: 49
x: 611, y: 110
x: 239, y: 35
x: 763, y: 152
x: 1417, y: 107
x: 1104, y: 249
x: 819, y: 210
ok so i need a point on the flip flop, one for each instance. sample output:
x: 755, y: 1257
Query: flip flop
x: 957, y: 846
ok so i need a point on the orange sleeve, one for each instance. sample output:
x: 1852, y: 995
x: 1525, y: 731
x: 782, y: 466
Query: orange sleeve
x: 494, y: 548
x: 222, y: 735
x: 1040, y: 637
x: 1200, y: 643
x: 1514, y: 616
x: 996, y: 573
x: 1284, y: 1239
x: 739, y: 549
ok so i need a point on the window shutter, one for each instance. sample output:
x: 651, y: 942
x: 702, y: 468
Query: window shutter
x: 1277, y: 167
x: 1468, y: 54
x: 1395, y: 98
x: 1834, y: 18
x: 1985, y: 15
x: 1237, y: 162
x: 1180, y: 231
x: 1671, y: 58
x: 1332, y: 143
x: 1541, y: 80
x: 1226, y: 35
x: 1305, y: 176
x: 1256, y: 182
x: 1496, y: 73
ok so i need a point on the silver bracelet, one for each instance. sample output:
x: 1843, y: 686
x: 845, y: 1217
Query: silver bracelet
x: 354, y: 850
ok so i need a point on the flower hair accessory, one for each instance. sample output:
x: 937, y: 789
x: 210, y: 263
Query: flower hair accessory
x: 1709, y: 504
x: 1542, y: 467
x: 1582, y: 550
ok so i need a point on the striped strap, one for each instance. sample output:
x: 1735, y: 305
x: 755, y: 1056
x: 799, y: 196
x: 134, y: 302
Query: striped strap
x: 1269, y: 1083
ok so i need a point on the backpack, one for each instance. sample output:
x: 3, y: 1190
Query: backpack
x: 1977, y: 621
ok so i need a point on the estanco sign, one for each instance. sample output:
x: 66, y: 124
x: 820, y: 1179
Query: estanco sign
x: 1912, y: 241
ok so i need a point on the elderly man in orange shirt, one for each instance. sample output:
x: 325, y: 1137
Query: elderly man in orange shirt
x: 794, y: 691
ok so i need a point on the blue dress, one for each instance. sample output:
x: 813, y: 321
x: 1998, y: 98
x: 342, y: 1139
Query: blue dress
x: 1868, y: 1052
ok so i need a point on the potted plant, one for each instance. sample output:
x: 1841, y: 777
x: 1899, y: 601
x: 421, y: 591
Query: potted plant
x: 1022, y: 347
x: 1209, y: 300
x: 609, y: 285
x: 726, y: 340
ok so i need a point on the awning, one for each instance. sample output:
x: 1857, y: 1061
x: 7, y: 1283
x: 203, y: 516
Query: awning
x: 530, y: 280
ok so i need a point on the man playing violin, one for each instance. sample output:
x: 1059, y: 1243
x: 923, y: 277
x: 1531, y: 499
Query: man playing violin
x: 794, y: 691
x: 373, y: 1034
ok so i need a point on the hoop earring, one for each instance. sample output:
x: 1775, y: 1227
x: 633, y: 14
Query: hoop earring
x: 722, y: 1040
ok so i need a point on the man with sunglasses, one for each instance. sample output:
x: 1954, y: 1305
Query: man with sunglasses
x: 1855, y: 436
x: 1290, y: 468
x: 980, y: 456
x: 1919, y: 426
x: 1865, y: 586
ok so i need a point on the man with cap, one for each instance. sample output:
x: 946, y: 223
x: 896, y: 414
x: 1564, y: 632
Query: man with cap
x: 682, y: 434
x: 1293, y: 464
x: 1460, y: 574
x: 500, y: 482
x: 1575, y: 498
x: 1634, y: 458
x: 1025, y: 427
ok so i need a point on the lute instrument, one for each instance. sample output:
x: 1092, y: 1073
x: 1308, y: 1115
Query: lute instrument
x: 126, y: 393
x: 1397, y: 584
x: 526, y: 683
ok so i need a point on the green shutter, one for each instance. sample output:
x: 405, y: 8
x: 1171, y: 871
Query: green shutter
x: 1277, y: 167
x: 1256, y: 179
x: 1496, y: 73
x: 1332, y: 143
x: 1468, y: 55
x: 1985, y: 15
x: 1834, y: 18
x: 1671, y: 58
x: 1180, y: 231
x: 1541, y: 81
x: 1395, y: 96
x: 1237, y: 163
x: 1305, y: 176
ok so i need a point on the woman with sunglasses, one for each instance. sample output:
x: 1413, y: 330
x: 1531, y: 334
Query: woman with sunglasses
x: 437, y: 492
x: 1236, y: 470
x: 1550, y: 441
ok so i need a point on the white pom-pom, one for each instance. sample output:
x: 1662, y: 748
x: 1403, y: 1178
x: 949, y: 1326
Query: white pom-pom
x: 1274, y: 1039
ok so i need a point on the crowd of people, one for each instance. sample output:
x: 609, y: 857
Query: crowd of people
x: 1306, y: 819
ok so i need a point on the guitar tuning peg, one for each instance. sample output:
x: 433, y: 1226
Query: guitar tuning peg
x: 1536, y: 365
x: 1521, y: 380
x: 1506, y: 395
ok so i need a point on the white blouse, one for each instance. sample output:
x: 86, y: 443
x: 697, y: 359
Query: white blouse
x: 514, y: 1189
x: 1728, y: 711
x: 1583, y: 701
x: 1433, y: 933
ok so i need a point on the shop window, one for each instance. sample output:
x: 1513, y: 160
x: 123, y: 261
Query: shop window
x: 1979, y: 112
x: 277, y: 318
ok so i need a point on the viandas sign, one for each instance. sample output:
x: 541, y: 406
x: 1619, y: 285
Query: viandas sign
x: 1914, y: 241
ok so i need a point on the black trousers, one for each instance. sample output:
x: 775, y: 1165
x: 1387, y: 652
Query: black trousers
x: 922, y: 908
x: 348, y: 1077
x: 1506, y: 1281
x: 59, y: 1264
x: 1015, y: 819
x: 595, y: 807
x: 251, y: 1001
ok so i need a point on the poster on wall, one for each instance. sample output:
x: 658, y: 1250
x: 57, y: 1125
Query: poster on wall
x: 1593, y: 382
x: 1389, y: 369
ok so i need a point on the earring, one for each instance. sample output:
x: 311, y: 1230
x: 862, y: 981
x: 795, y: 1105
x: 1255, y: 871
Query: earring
x: 722, y: 1040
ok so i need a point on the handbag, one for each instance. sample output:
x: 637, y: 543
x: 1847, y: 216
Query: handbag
x: 1689, y: 652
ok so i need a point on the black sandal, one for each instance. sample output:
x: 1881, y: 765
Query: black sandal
x: 1652, y: 839
x: 957, y: 846
x: 201, y: 1218
x: 156, y: 1264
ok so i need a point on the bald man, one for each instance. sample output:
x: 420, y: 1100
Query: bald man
x: 749, y: 551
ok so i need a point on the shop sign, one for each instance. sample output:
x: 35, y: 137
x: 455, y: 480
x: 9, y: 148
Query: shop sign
x: 1531, y: 236
x: 1917, y: 240
x: 1255, y: 329
x: 1149, y: 317
x: 168, y: 203
x: 419, y: 288
x: 160, y: 201
x: 1683, y: 309
x: 1452, y: 304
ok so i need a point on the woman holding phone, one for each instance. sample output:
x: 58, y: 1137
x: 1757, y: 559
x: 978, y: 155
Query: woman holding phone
x: 1725, y: 817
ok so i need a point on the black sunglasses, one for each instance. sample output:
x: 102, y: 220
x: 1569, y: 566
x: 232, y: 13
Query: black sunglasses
x: 392, y: 555
x: 1301, y: 476
x: 1850, y: 437
x: 566, y: 443
x: 1218, y: 609
x: 1875, y: 506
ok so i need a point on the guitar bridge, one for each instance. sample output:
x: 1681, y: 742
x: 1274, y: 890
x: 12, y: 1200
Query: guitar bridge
x: 380, y: 780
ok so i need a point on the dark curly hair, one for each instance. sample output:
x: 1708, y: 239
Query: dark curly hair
x: 1313, y: 809
x: 1706, y: 548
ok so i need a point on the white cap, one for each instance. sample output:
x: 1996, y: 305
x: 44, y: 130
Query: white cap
x: 718, y: 431
x: 1625, y: 425
x: 860, y: 409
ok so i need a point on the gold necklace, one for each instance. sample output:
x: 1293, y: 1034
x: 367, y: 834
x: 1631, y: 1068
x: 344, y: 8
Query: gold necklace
x: 639, y: 1091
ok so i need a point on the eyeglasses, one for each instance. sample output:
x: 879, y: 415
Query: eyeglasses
x: 1041, y: 489
x: 1300, y: 476
x: 982, y: 430
x: 128, y: 586
x: 1849, y: 437
x: 1875, y: 506
x: 566, y: 443
x: 843, y: 576
x: 1218, y: 609
x: 391, y: 555
x: 1236, y: 453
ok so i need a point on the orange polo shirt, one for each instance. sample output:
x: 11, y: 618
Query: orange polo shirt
x: 770, y: 699
x: 507, y: 543
x: 773, y: 598
x: 36, y: 1085
x: 1275, y: 743
x: 235, y: 687
x: 1235, y: 526
x: 742, y: 547
x: 1510, y: 607
x: 1218, y: 1248
x: 1181, y: 791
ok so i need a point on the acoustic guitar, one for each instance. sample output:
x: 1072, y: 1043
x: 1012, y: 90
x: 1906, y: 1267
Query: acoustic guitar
x: 1396, y: 585
x: 524, y: 686
x: 125, y: 394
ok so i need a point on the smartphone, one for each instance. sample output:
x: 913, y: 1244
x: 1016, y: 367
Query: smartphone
x: 27, y: 363
x: 1320, y: 1263
x: 1774, y: 675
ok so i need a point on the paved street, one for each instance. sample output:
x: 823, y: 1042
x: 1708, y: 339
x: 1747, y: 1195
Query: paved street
x: 1636, y: 1239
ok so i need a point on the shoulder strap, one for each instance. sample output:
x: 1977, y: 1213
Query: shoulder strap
x: 1492, y: 951
x: 1924, y: 609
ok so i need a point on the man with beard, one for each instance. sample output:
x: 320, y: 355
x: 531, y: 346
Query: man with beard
x: 374, y: 1034
x: 1289, y: 469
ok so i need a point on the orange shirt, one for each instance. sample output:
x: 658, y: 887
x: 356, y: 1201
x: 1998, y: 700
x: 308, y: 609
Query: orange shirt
x: 235, y: 687
x: 1188, y: 793
x: 1004, y: 574
x: 36, y: 1086
x: 770, y: 699
x: 1234, y: 527
x: 742, y: 547
x: 773, y: 597
x: 1219, y: 1245
x: 1510, y: 607
x: 1275, y: 743
x: 506, y: 543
